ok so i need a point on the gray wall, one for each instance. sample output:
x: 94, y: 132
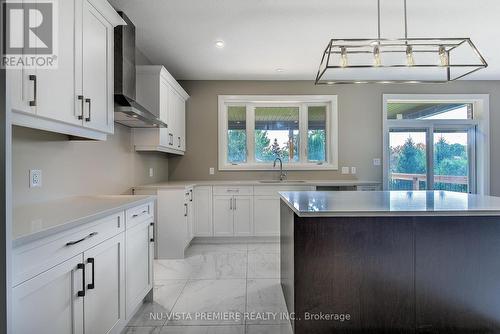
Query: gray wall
x: 80, y: 167
x: 360, y: 125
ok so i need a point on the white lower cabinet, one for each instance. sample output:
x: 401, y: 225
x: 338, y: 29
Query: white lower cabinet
x: 202, y: 220
x: 90, y: 279
x: 139, y: 254
x: 243, y: 216
x: 48, y: 303
x: 105, y: 287
x: 223, y: 215
x: 233, y: 215
x: 267, y: 215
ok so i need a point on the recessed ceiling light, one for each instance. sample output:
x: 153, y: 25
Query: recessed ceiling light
x: 280, y: 70
x: 219, y: 44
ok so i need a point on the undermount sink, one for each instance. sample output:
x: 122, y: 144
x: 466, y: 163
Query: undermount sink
x: 284, y: 181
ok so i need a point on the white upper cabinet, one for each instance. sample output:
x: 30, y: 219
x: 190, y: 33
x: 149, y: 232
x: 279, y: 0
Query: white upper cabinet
x: 158, y: 91
x: 95, y: 74
x: 76, y: 97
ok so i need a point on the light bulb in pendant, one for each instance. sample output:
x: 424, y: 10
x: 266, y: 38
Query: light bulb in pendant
x: 443, y: 56
x: 376, y: 56
x: 343, y: 57
x: 410, y: 61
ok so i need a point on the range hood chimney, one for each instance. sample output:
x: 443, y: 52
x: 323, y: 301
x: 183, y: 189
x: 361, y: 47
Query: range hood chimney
x: 127, y: 110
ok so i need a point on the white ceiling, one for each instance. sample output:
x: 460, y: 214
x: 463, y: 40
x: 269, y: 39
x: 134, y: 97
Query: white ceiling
x: 263, y: 35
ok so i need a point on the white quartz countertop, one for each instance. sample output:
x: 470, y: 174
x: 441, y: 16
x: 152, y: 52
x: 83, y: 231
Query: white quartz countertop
x: 183, y: 184
x: 34, y: 221
x: 389, y: 203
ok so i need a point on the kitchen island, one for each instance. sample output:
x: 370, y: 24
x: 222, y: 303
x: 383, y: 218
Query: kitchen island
x: 391, y: 262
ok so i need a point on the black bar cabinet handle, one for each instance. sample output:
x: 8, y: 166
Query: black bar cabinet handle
x: 81, y: 266
x: 91, y: 286
x: 153, y: 226
x: 89, y: 101
x: 71, y: 243
x: 139, y: 214
x: 32, y: 77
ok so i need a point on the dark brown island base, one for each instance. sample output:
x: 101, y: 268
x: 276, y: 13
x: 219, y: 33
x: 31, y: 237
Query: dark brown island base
x: 391, y: 262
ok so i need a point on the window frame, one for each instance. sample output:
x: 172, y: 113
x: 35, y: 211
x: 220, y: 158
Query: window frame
x: 302, y: 101
x: 478, y: 146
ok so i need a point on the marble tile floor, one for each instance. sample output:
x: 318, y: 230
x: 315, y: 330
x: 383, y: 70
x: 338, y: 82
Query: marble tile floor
x: 217, y: 289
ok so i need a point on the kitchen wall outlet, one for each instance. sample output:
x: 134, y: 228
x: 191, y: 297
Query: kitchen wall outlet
x: 376, y: 162
x: 353, y: 170
x: 35, y: 178
x: 151, y: 172
x: 345, y: 170
x: 211, y: 171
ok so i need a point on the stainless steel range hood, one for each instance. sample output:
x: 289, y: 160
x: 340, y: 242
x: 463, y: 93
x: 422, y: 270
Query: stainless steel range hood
x: 127, y: 110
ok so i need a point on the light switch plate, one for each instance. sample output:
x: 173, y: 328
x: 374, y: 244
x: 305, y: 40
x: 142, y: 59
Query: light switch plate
x: 35, y: 178
x: 345, y: 170
x: 353, y: 170
x: 376, y: 162
x: 151, y: 172
x: 211, y: 171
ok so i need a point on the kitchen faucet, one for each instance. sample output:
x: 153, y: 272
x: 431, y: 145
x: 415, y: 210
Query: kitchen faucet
x: 282, y: 173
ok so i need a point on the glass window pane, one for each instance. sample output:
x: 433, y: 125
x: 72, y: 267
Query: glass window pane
x: 451, y: 161
x: 236, y: 134
x: 276, y: 134
x: 404, y: 110
x: 408, y: 160
x: 316, y: 133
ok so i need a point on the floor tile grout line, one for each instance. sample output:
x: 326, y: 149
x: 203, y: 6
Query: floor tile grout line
x: 176, y: 300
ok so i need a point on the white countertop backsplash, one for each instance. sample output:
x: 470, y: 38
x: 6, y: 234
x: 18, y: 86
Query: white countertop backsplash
x: 183, y: 184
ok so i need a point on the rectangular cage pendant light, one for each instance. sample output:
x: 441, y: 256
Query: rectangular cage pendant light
x: 404, y: 60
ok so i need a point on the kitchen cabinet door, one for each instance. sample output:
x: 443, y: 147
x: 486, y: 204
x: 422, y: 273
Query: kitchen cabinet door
x: 267, y: 215
x: 96, y: 69
x: 172, y: 118
x: 180, y: 123
x: 49, y: 302
x: 164, y: 132
x: 243, y: 215
x: 138, y: 262
x: 223, y: 215
x: 202, y: 225
x: 56, y: 93
x: 105, y: 293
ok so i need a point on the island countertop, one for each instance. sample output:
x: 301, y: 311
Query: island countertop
x: 389, y: 203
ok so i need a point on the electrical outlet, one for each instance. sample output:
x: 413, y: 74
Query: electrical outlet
x: 353, y: 170
x: 376, y: 162
x: 211, y: 171
x: 35, y: 178
x: 151, y: 172
x: 345, y: 170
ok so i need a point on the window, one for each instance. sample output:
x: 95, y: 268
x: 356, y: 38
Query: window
x: 255, y: 130
x: 436, y: 143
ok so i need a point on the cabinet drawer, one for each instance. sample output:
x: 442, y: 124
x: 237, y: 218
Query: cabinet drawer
x: 139, y: 214
x: 273, y: 190
x: 244, y: 190
x: 36, y: 257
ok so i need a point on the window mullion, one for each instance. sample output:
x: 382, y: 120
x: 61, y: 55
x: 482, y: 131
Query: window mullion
x: 303, y: 133
x: 250, y: 128
x: 430, y: 158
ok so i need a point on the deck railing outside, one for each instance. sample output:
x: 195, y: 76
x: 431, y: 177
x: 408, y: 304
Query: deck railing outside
x: 404, y: 181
